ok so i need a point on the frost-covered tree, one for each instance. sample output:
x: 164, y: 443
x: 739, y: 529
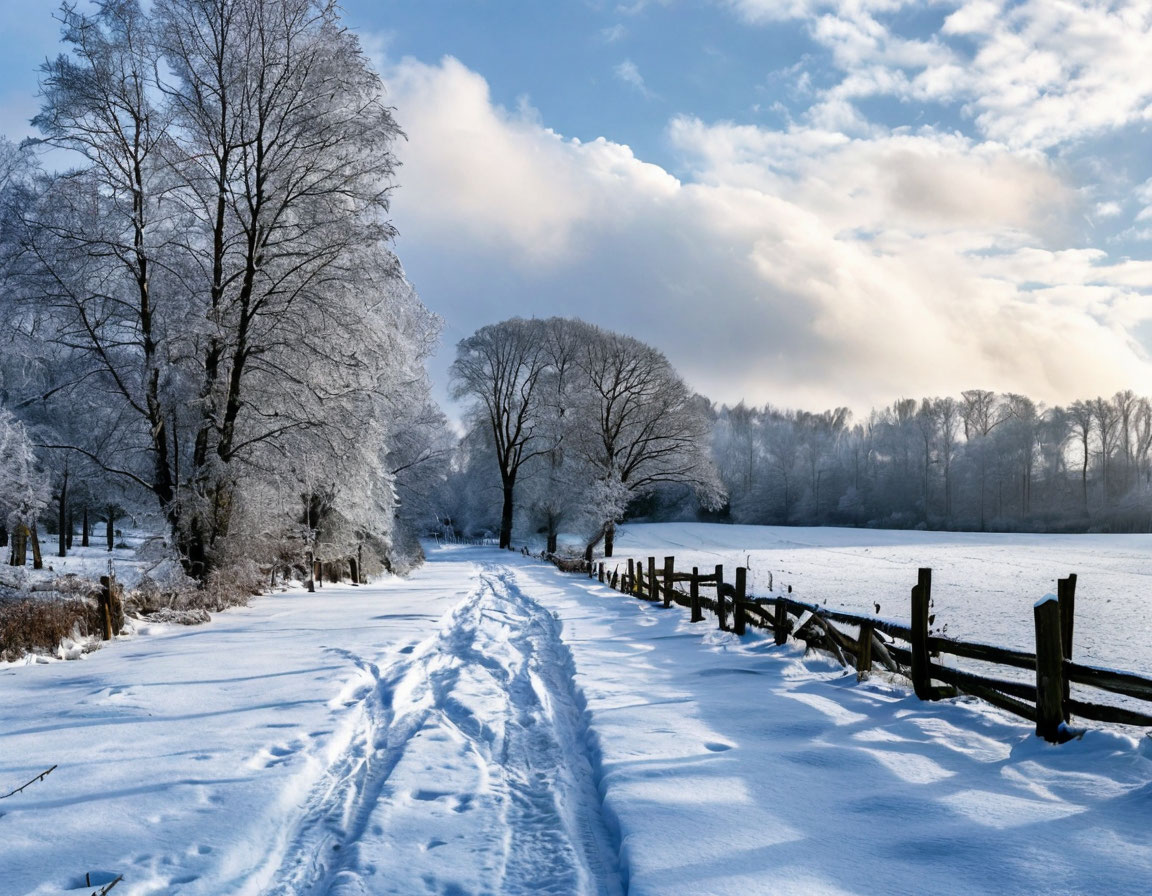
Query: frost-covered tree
x: 640, y: 426
x: 500, y: 369
x: 24, y: 490
x: 218, y: 259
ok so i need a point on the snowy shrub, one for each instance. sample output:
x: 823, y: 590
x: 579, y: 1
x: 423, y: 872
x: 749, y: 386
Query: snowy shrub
x: 231, y: 586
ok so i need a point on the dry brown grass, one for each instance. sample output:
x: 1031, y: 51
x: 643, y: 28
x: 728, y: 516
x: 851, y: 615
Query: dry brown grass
x: 28, y: 625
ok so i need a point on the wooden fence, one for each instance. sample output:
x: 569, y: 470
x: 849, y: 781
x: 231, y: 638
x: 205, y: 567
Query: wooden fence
x: 910, y: 649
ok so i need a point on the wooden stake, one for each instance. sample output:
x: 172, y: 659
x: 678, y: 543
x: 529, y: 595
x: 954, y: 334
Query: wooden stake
x: 1066, y: 596
x: 864, y: 651
x: 738, y: 615
x: 669, y: 572
x: 106, y: 606
x: 780, y: 622
x: 652, y: 583
x: 921, y: 595
x: 721, y: 613
x: 1049, y: 671
x: 694, y: 596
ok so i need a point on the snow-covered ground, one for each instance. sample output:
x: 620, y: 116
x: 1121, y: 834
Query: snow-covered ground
x: 983, y: 584
x: 495, y: 726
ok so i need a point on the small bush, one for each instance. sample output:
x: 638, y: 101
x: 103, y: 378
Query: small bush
x: 40, y: 626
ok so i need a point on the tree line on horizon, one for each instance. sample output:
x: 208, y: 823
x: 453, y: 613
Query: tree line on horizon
x: 980, y: 461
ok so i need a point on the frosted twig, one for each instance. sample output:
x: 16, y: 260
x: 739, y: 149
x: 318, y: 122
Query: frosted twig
x: 108, y: 886
x: 39, y: 777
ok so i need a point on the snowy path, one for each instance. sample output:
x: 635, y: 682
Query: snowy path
x: 469, y: 746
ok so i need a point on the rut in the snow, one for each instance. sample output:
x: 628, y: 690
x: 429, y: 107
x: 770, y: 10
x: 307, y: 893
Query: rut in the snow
x: 469, y: 765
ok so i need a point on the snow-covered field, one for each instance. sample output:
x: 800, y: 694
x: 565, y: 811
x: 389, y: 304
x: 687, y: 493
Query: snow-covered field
x: 983, y: 584
x: 494, y: 726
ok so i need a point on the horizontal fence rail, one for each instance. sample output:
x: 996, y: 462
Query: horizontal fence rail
x: 908, y: 650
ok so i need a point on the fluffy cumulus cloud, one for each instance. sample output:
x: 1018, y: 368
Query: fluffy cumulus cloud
x: 803, y: 267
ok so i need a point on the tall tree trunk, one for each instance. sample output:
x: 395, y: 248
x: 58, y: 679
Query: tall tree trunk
x: 37, y: 557
x: 506, y: 514
x: 62, y: 517
x: 3, y: 535
x: 609, y: 539
x: 87, y: 531
x: 19, y: 545
x: 110, y: 529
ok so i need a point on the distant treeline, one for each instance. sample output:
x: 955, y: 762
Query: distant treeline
x: 574, y: 428
x: 983, y: 461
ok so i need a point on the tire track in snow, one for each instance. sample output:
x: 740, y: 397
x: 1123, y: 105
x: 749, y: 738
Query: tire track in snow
x: 466, y: 770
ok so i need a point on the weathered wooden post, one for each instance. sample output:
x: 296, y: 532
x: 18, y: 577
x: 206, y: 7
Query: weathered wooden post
x: 780, y: 622
x: 318, y: 573
x: 629, y: 582
x: 721, y: 613
x: 739, y: 621
x: 638, y: 591
x: 921, y: 596
x: 34, y: 539
x: 694, y: 596
x: 311, y: 583
x: 653, y: 585
x: 669, y: 574
x: 1066, y: 596
x: 864, y: 651
x: 106, y: 606
x: 601, y: 576
x: 1049, y: 670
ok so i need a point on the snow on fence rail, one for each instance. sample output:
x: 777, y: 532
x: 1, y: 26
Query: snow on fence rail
x: 1046, y: 701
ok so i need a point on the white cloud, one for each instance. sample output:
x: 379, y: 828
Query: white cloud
x: 627, y: 72
x: 823, y: 269
x: 613, y: 34
x: 1041, y: 73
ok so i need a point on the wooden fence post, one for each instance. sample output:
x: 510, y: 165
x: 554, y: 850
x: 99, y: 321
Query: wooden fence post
x: 721, y: 613
x: 1066, y: 596
x: 921, y: 596
x: 601, y: 575
x: 638, y: 591
x: 1049, y: 670
x: 106, y: 606
x: 864, y: 651
x: 738, y: 615
x: 653, y: 586
x: 354, y: 569
x: 629, y: 585
x: 694, y: 596
x: 780, y: 621
x: 669, y: 572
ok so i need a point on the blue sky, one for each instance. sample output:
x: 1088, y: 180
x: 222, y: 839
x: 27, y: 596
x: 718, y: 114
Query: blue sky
x: 802, y: 202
